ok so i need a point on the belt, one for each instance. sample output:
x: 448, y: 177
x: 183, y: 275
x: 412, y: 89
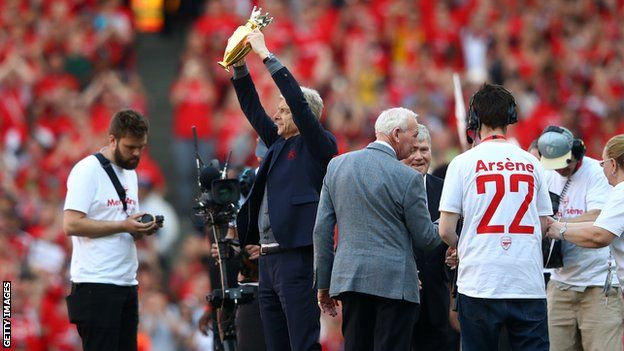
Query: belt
x: 101, y: 286
x: 267, y: 249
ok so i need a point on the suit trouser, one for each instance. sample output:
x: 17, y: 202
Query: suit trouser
x: 377, y: 323
x: 432, y: 331
x: 290, y: 314
x: 582, y: 321
x: 106, y: 316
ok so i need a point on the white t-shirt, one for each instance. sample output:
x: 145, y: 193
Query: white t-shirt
x: 612, y: 219
x: 501, y: 192
x: 588, y: 190
x: 110, y: 259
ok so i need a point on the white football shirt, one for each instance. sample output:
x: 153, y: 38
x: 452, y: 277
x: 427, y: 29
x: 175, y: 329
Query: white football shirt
x: 110, y: 259
x: 501, y: 192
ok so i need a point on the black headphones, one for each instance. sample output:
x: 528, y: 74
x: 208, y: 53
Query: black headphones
x: 578, y: 146
x: 474, y: 122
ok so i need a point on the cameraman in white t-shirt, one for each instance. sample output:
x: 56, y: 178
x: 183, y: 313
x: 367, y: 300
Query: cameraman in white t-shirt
x: 608, y: 229
x: 500, y: 191
x: 103, y: 302
x: 577, y: 315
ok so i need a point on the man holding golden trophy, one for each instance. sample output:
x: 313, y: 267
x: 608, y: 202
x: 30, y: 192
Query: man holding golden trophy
x: 275, y: 224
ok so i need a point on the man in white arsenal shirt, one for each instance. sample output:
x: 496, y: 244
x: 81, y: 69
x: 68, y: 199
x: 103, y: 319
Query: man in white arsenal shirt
x: 500, y: 191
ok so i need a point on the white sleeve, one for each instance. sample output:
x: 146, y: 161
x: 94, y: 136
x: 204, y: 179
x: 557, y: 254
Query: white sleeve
x: 81, y: 185
x: 452, y: 191
x: 612, y: 216
x: 544, y: 205
x: 598, y: 190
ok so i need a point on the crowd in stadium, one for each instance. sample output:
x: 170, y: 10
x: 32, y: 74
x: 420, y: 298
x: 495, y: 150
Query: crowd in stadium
x: 67, y: 66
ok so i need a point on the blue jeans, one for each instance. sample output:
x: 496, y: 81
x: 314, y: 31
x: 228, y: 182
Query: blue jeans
x: 481, y: 321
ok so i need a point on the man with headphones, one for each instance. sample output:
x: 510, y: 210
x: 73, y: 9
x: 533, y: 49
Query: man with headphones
x: 584, y: 309
x: 499, y: 189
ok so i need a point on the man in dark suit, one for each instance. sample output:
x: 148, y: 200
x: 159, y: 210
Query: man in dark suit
x: 432, y: 330
x: 280, y: 212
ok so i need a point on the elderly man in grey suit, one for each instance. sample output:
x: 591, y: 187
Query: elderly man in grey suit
x: 380, y: 207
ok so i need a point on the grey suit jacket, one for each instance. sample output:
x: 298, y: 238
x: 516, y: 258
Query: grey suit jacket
x: 379, y: 206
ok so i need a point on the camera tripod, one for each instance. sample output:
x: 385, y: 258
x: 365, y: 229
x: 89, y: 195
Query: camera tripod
x: 225, y: 300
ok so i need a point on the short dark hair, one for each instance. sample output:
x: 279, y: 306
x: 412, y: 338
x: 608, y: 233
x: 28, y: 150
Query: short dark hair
x: 493, y: 103
x: 128, y: 122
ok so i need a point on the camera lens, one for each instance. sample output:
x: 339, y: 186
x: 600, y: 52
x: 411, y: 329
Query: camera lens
x: 146, y: 218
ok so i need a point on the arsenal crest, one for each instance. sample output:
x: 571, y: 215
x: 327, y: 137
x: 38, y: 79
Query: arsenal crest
x: 506, y: 242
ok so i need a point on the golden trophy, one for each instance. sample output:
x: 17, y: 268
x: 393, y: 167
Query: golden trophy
x: 236, y: 48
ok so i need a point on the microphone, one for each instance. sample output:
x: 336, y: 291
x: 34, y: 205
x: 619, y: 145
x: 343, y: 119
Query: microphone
x: 198, y: 161
x: 225, y: 167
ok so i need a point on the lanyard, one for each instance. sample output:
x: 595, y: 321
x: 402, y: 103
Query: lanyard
x: 494, y: 137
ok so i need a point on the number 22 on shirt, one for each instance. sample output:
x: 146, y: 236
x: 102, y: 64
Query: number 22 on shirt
x: 485, y: 227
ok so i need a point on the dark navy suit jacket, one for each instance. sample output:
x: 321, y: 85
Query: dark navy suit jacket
x: 292, y: 169
x: 432, y: 331
x: 433, y: 272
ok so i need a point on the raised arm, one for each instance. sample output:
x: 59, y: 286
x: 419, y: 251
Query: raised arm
x: 319, y: 141
x: 250, y: 104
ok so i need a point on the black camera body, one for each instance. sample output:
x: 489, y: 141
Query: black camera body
x: 218, y: 200
x: 148, y: 218
x: 243, y: 294
x: 551, y: 248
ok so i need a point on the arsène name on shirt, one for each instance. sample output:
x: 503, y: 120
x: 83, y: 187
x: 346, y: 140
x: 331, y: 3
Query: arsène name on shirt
x: 507, y: 165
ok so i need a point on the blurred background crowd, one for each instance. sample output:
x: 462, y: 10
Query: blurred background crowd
x: 67, y: 65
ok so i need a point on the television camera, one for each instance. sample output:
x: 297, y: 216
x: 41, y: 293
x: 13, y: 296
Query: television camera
x: 218, y: 205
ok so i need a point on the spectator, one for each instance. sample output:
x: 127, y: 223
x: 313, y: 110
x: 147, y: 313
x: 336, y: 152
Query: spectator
x: 192, y: 97
x: 153, y: 203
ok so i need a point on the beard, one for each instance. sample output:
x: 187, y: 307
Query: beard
x: 125, y: 163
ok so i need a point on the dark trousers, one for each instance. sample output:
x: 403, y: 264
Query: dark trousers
x: 376, y: 323
x: 481, y: 321
x: 106, y: 316
x: 432, y: 331
x: 431, y: 337
x: 249, y: 336
x: 290, y: 315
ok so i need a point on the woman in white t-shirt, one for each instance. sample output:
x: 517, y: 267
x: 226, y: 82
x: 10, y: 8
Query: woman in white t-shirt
x: 609, y: 226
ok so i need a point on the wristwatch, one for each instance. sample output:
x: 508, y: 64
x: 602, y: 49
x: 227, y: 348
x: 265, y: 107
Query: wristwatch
x: 562, y: 230
x: 269, y: 56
